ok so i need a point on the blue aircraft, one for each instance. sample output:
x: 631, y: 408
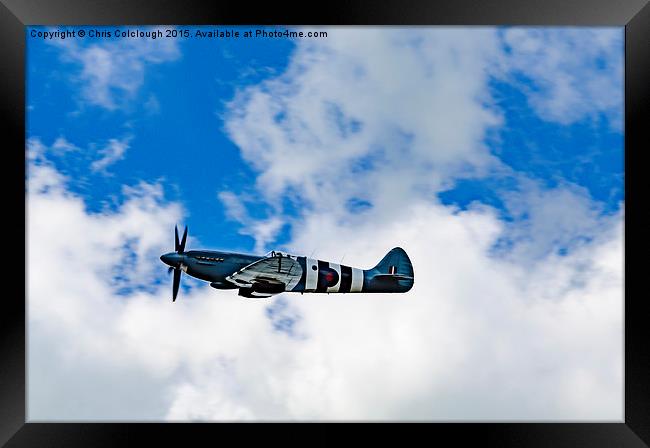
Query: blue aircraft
x: 278, y: 272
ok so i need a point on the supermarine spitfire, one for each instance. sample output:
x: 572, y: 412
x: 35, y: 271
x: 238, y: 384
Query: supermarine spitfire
x: 278, y: 272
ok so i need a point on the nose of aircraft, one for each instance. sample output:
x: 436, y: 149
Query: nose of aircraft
x: 171, y: 259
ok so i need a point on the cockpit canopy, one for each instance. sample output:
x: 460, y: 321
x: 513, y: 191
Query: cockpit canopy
x: 276, y: 253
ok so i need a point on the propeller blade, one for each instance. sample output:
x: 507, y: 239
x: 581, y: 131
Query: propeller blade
x: 169, y: 270
x: 182, y: 246
x: 177, y: 282
x: 176, y: 243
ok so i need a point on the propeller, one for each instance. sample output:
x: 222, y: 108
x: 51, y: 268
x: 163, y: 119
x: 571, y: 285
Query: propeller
x: 179, y: 247
x: 177, y: 282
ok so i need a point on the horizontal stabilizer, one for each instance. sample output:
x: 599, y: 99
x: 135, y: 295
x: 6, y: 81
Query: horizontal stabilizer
x: 392, y: 277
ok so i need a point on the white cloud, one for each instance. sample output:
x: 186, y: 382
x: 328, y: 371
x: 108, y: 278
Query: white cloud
x: 263, y: 231
x: 410, y: 108
x: 477, y: 337
x: 34, y: 149
x: 152, y: 105
x: 112, y: 71
x: 62, y: 146
x: 111, y: 153
x: 390, y: 118
x: 552, y: 220
x: 576, y: 73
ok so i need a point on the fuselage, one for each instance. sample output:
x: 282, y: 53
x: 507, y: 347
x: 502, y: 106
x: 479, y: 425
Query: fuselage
x: 317, y: 276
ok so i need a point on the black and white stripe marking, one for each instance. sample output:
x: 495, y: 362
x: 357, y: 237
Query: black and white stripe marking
x: 349, y: 279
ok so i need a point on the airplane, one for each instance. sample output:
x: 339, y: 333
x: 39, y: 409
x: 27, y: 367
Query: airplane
x: 278, y: 272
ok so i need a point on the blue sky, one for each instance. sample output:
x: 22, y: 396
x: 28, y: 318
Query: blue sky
x: 493, y: 156
x: 184, y: 145
x: 174, y: 124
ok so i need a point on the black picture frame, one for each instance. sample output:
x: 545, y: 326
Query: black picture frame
x: 15, y: 15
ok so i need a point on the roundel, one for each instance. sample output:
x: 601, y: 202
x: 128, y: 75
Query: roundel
x: 330, y: 277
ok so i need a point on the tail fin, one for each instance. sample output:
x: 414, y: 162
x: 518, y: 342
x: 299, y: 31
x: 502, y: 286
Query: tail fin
x: 394, y: 273
x: 395, y: 262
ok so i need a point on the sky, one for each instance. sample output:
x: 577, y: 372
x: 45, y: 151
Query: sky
x: 493, y: 156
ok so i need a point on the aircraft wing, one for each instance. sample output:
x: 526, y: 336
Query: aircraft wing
x: 274, y: 274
